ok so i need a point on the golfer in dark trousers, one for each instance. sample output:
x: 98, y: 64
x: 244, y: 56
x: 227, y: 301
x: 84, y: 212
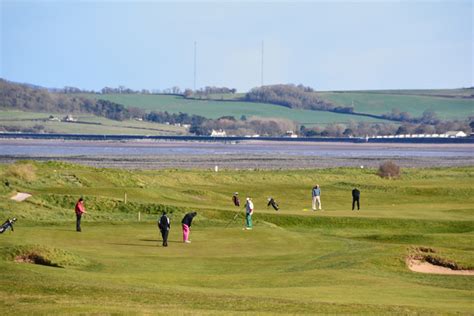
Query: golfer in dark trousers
x: 355, y: 198
x: 164, y: 225
x: 79, y: 209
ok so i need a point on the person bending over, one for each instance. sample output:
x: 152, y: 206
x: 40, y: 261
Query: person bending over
x: 186, y: 222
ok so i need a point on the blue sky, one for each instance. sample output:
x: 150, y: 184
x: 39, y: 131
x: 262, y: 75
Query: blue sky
x: 327, y: 45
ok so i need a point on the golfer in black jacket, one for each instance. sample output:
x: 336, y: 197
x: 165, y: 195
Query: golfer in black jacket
x: 164, y: 225
x: 355, y: 198
x: 187, y: 220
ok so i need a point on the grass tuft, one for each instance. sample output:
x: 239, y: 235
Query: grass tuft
x: 25, y: 171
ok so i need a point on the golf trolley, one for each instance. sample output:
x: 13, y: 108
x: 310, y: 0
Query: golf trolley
x: 8, y: 224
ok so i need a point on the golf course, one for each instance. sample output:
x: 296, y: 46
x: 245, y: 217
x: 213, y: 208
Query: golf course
x: 294, y: 261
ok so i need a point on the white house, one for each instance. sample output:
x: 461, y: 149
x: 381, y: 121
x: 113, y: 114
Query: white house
x: 219, y: 133
x: 456, y: 134
x: 290, y: 134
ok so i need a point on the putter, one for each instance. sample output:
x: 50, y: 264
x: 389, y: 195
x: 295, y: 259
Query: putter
x: 232, y: 220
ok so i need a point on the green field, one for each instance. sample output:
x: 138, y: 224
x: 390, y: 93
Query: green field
x: 216, y: 109
x: 414, y: 102
x: 450, y: 93
x: 374, y: 102
x: 101, y: 125
x: 294, y: 261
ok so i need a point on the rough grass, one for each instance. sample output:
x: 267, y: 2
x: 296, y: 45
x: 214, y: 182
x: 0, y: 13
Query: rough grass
x: 293, y: 262
x: 22, y: 172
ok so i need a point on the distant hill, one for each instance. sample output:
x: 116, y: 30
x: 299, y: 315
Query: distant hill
x: 268, y: 110
x: 215, y: 108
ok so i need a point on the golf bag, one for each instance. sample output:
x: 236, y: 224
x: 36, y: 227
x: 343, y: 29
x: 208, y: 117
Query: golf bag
x: 8, y: 223
x: 273, y: 203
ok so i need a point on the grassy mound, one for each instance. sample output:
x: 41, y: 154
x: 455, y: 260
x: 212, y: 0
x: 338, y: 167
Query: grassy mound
x: 43, y: 255
x: 432, y: 256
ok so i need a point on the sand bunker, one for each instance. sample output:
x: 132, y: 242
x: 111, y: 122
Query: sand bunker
x: 426, y: 267
x: 19, y: 197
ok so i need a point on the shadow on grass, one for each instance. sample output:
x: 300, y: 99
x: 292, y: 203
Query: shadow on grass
x: 161, y: 240
x: 137, y: 245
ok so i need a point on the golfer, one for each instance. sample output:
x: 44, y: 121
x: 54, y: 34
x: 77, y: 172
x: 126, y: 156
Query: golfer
x: 355, y: 198
x: 273, y: 203
x: 235, y: 199
x: 187, y: 220
x: 316, y: 194
x: 79, y: 209
x: 164, y: 225
x: 248, y: 213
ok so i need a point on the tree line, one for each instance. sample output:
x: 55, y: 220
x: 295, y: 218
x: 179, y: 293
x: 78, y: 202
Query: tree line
x: 362, y: 129
x: 292, y: 96
x: 26, y: 98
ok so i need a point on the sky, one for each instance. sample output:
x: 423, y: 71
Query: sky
x: 328, y: 45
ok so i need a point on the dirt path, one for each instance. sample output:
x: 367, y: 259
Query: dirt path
x: 426, y: 267
x: 19, y: 197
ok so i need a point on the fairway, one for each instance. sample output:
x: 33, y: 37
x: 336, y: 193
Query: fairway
x: 295, y: 261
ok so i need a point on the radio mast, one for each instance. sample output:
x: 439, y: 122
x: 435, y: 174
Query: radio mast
x: 261, y: 75
x: 194, y: 86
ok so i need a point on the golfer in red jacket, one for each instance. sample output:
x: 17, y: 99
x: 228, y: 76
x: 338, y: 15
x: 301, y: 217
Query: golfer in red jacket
x: 80, y: 209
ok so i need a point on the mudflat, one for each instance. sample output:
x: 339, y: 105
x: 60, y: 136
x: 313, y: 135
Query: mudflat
x: 252, y: 154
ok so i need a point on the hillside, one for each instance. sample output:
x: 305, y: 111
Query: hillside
x: 267, y: 111
x: 13, y: 121
x: 218, y: 108
x: 414, y: 102
x: 455, y: 104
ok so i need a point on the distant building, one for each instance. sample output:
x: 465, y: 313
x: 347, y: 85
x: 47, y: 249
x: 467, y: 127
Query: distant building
x: 219, y: 133
x: 456, y: 134
x: 69, y: 118
x: 290, y: 134
x: 450, y: 134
